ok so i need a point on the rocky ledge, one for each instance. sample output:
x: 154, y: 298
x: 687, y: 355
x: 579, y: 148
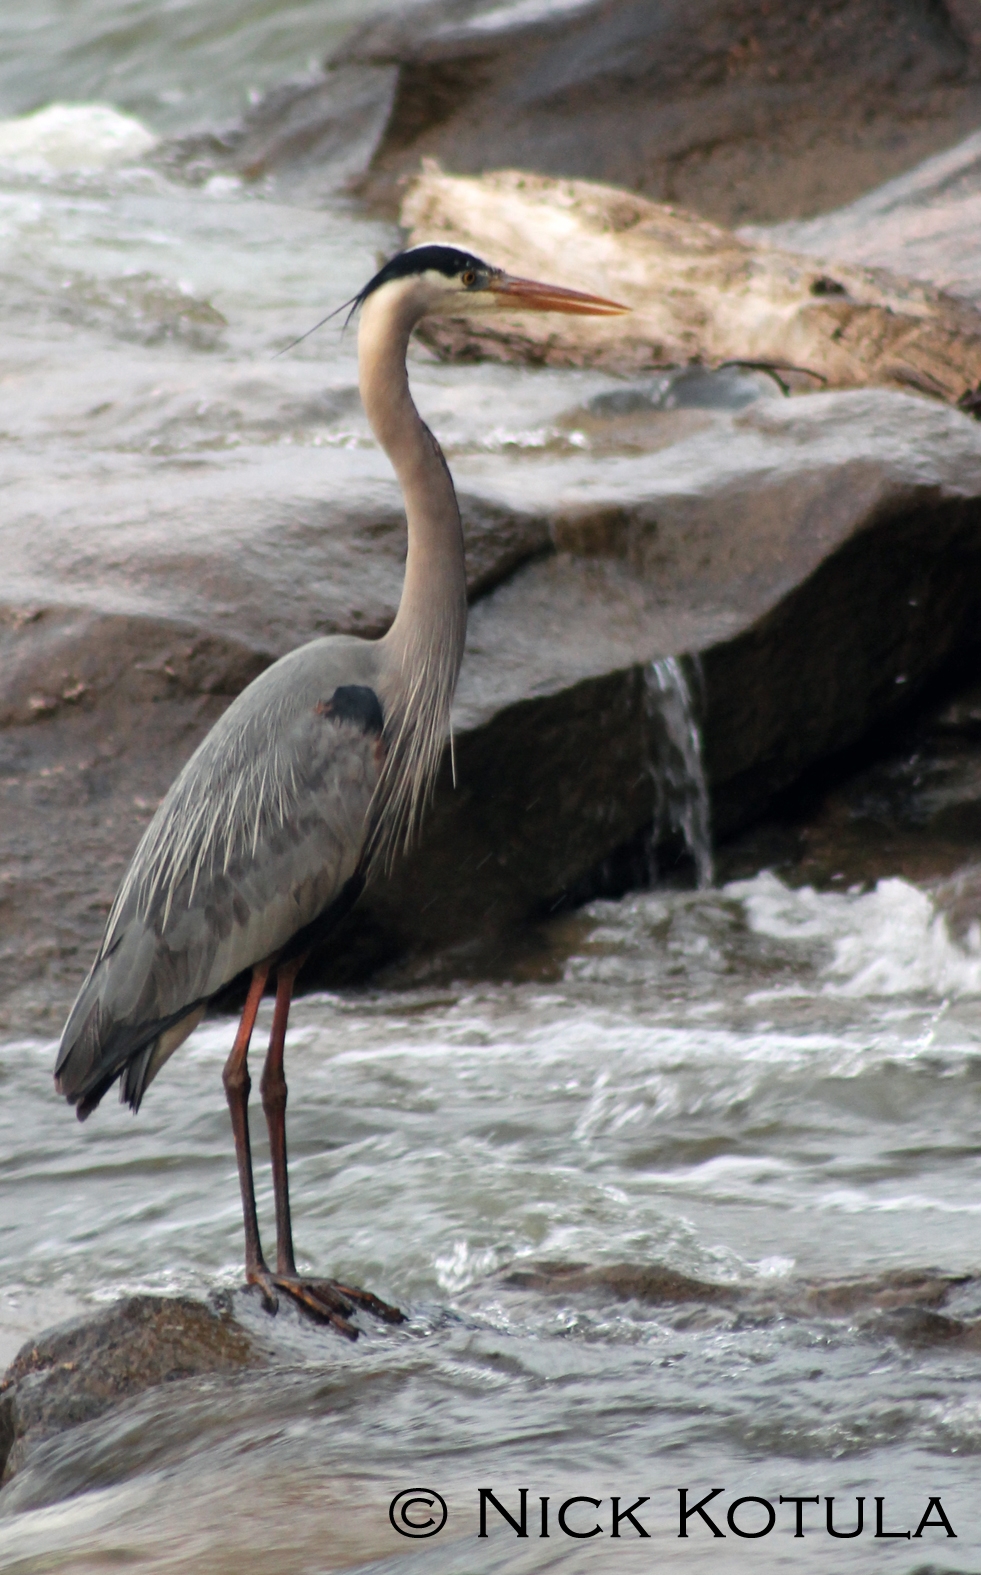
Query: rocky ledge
x: 787, y: 570
x: 739, y: 111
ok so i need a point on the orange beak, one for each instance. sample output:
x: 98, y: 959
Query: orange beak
x: 527, y: 295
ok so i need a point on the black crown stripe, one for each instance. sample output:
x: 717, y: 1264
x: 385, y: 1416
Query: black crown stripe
x: 448, y: 260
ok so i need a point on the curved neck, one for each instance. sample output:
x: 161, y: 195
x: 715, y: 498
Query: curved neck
x: 430, y: 624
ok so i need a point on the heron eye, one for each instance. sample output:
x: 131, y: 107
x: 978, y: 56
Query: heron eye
x: 468, y: 278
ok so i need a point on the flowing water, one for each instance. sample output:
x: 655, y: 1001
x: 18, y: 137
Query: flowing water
x: 768, y: 1091
x: 681, y: 800
x: 756, y: 1087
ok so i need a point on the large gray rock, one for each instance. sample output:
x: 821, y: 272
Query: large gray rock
x: 924, y: 224
x: 814, y: 560
x: 740, y: 111
x: 126, y: 626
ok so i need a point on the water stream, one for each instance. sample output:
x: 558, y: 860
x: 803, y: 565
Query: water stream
x: 759, y: 1087
x: 681, y: 794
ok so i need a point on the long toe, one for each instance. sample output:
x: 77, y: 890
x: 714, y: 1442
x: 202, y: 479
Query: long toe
x: 369, y: 1301
x: 323, y: 1301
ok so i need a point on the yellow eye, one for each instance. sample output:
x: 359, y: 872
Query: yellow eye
x: 468, y: 278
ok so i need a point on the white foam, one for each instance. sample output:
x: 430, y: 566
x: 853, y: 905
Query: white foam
x: 72, y: 137
x: 463, y: 1264
x: 890, y: 941
x: 521, y: 13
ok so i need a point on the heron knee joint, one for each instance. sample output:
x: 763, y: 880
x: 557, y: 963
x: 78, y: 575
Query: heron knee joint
x: 237, y: 1081
x: 273, y: 1090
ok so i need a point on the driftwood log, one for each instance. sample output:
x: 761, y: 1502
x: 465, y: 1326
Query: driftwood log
x: 697, y: 292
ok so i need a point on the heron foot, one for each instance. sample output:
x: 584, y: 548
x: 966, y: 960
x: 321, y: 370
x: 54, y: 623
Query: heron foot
x: 366, y: 1299
x: 266, y: 1282
x: 326, y: 1300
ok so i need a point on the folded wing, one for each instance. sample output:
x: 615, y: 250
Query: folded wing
x: 259, y: 836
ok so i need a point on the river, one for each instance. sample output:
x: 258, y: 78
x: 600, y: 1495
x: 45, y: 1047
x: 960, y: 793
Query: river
x: 768, y: 1089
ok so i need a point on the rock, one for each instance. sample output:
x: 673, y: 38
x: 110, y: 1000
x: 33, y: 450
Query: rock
x: 806, y: 564
x: 696, y: 292
x: 897, y: 1289
x: 908, y: 800
x: 320, y: 132
x: 259, y: 561
x: 79, y: 1370
x: 126, y: 626
x: 900, y: 1305
x: 812, y: 558
x: 923, y: 224
x: 921, y: 1329
x: 655, y: 1284
x: 738, y: 111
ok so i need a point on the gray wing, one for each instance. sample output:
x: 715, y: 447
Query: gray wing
x: 259, y: 835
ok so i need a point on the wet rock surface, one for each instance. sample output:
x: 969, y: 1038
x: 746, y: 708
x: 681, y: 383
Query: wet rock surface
x: 76, y: 1372
x: 737, y: 112
x: 903, y: 1305
x: 113, y: 1396
x: 907, y: 800
x: 808, y: 564
x: 914, y: 1309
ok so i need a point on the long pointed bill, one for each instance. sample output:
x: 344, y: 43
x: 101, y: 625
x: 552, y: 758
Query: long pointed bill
x: 527, y: 295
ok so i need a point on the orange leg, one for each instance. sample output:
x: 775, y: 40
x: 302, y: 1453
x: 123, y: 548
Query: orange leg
x: 274, y: 1093
x: 325, y: 1299
x: 237, y: 1086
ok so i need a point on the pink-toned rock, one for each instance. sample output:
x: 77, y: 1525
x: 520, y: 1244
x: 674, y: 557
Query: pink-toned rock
x: 924, y: 224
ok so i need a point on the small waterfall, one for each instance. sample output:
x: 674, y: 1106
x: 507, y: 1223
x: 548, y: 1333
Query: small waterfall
x: 681, y: 797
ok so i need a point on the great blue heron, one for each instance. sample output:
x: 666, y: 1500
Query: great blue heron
x: 316, y: 775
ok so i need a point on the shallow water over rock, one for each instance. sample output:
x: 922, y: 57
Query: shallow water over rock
x: 746, y: 1116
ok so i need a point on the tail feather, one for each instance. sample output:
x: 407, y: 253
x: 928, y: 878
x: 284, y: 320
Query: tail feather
x: 142, y: 1068
x: 96, y: 1048
x: 88, y: 1101
x: 86, y: 1066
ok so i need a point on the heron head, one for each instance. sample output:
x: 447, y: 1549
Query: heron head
x: 437, y: 280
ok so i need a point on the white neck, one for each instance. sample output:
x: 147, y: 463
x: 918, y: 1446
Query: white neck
x: 432, y: 610
x: 423, y: 649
